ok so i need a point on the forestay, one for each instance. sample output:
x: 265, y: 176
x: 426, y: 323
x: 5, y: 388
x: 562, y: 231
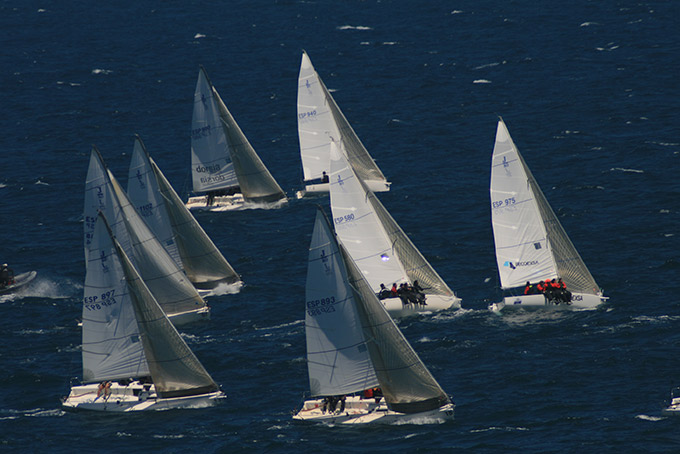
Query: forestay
x: 408, y: 386
x: 337, y: 357
x: 167, y: 282
x: 531, y: 244
x: 320, y: 121
x: 203, y: 263
x: 380, y: 248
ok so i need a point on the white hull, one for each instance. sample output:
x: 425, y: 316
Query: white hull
x: 134, y: 397
x: 373, y: 185
x: 366, y: 411
x: 219, y: 203
x: 578, y: 301
x: 183, y: 318
x: 674, y: 408
x: 397, y: 309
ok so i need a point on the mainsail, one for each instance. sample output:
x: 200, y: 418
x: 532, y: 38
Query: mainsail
x: 112, y: 347
x: 221, y: 156
x: 167, y: 282
x: 320, y: 121
x: 337, y: 357
x: 175, y: 370
x: 176, y: 228
x: 531, y: 244
x: 377, y: 244
x: 406, y: 383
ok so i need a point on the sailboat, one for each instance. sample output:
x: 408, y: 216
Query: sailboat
x: 168, y: 283
x: 353, y: 345
x: 175, y: 227
x: 133, y: 357
x: 531, y: 244
x: 379, y: 246
x: 320, y: 121
x: 225, y: 169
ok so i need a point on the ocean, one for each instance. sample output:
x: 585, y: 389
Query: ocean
x: 589, y: 92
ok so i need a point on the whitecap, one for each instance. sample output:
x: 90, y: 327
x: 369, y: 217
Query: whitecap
x: 353, y: 27
x: 456, y: 11
x: 488, y: 65
x: 224, y: 289
x: 101, y: 71
x: 650, y: 418
x: 481, y: 81
x: 389, y: 43
x: 199, y: 36
x: 623, y: 169
x: 504, y: 429
x: 588, y: 24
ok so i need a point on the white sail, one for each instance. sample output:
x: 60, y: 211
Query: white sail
x: 112, y: 347
x: 146, y: 197
x: 175, y: 370
x: 222, y: 157
x: 320, y: 121
x: 337, y: 357
x: 152, y: 194
x: 380, y: 248
x: 531, y: 244
x: 167, y: 282
x: 211, y: 165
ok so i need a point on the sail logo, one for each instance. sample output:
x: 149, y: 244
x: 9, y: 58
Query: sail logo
x: 324, y: 260
x: 102, y: 256
x: 308, y: 86
x: 140, y: 180
x: 204, y: 101
x: 340, y: 181
x: 208, y: 169
x: 506, y: 164
x: 515, y: 265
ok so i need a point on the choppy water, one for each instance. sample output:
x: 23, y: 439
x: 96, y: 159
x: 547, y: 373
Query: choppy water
x: 589, y: 92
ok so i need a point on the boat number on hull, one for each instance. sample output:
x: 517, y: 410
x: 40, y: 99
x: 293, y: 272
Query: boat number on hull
x: 95, y: 302
x: 321, y: 306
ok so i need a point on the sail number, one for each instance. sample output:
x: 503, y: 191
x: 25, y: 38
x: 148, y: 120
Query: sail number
x: 345, y: 218
x: 305, y: 115
x: 321, y: 306
x: 97, y: 302
x: 503, y: 203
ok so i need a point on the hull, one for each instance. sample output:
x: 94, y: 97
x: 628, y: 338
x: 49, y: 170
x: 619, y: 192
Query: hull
x: 133, y: 397
x: 365, y: 411
x: 397, y: 309
x: 373, y: 185
x: 183, y: 318
x: 578, y: 301
x: 219, y: 203
x: 20, y: 281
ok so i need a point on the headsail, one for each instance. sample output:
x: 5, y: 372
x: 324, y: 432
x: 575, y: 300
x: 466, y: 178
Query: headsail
x: 151, y: 192
x: 337, y: 356
x: 377, y: 244
x: 175, y: 370
x: 531, y: 244
x: 112, y: 347
x: 406, y: 383
x: 167, y: 282
x: 222, y: 157
x: 320, y: 120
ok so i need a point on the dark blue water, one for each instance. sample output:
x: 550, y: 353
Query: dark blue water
x: 589, y: 92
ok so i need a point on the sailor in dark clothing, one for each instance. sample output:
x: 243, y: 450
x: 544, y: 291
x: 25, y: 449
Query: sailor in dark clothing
x: 384, y: 292
x: 6, y: 276
x: 324, y: 177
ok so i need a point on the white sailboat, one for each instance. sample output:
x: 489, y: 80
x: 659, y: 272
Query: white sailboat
x: 168, y: 283
x: 379, y: 246
x: 174, y: 226
x: 225, y: 169
x: 531, y: 244
x: 320, y: 121
x: 353, y: 345
x: 133, y: 357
